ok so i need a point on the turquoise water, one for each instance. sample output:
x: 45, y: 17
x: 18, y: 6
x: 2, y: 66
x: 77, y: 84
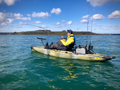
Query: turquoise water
x: 21, y: 69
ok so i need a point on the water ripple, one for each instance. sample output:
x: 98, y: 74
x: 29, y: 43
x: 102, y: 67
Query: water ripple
x: 22, y: 69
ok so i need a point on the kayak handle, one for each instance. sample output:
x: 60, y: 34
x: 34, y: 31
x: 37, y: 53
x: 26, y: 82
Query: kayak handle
x: 42, y: 40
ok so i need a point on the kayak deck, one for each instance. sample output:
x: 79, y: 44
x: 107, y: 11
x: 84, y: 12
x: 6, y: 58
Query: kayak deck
x: 72, y: 55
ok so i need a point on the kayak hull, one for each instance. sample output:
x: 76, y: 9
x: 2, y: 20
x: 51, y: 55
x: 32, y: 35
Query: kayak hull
x: 71, y: 55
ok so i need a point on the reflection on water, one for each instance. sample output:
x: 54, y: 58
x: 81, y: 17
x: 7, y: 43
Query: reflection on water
x: 94, y: 72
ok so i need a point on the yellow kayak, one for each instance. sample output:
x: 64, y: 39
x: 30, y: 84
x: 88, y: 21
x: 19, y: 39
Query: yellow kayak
x: 72, y: 55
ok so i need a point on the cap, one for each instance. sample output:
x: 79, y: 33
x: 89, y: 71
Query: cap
x: 70, y: 31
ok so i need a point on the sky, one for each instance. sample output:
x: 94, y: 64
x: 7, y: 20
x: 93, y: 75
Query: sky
x: 98, y: 16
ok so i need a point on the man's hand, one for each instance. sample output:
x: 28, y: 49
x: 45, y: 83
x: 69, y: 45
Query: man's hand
x: 62, y: 37
x: 51, y: 46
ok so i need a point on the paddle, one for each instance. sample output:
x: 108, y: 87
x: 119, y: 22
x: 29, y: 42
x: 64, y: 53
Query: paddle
x: 42, y: 40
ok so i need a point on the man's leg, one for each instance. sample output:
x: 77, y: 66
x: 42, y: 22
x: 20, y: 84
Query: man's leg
x: 58, y: 45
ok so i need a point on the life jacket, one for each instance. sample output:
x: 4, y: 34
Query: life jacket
x: 70, y: 46
x: 69, y: 43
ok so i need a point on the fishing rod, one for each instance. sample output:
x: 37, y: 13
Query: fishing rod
x: 91, y: 25
x: 91, y: 28
x: 41, y: 38
x: 36, y: 26
x: 87, y: 27
x: 40, y: 27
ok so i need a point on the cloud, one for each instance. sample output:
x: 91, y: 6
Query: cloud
x: 19, y: 27
x: 69, y: 22
x: 63, y: 25
x: 43, y: 26
x: 3, y: 16
x: 98, y: 25
x: 84, y: 21
x: 109, y: 25
x: 58, y: 23
x: 53, y: 23
x: 97, y: 17
x: 87, y: 25
x: 56, y: 11
x: 41, y: 14
x: 5, y: 19
x: 99, y: 2
x: 21, y: 23
x: 37, y: 22
x: 93, y: 23
x: 86, y: 16
x: 3, y: 24
x: 8, y: 2
x: 116, y: 26
x: 78, y: 27
x: 20, y: 17
x: 105, y: 29
x: 115, y: 14
x: 9, y: 21
x: 24, y: 18
x: 63, y: 21
x: 0, y: 1
x: 28, y: 15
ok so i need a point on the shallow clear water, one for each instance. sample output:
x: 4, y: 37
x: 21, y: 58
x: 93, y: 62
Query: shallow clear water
x: 21, y: 69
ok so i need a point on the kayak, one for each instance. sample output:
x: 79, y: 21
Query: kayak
x: 72, y: 55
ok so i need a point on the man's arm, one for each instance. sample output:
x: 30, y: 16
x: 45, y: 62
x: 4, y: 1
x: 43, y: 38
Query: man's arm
x: 69, y: 41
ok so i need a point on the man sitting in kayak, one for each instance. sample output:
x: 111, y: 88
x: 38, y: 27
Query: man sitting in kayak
x: 65, y: 44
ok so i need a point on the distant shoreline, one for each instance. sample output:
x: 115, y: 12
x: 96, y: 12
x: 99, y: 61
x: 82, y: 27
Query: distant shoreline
x: 49, y: 32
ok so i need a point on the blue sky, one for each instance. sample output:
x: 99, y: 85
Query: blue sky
x: 58, y: 15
